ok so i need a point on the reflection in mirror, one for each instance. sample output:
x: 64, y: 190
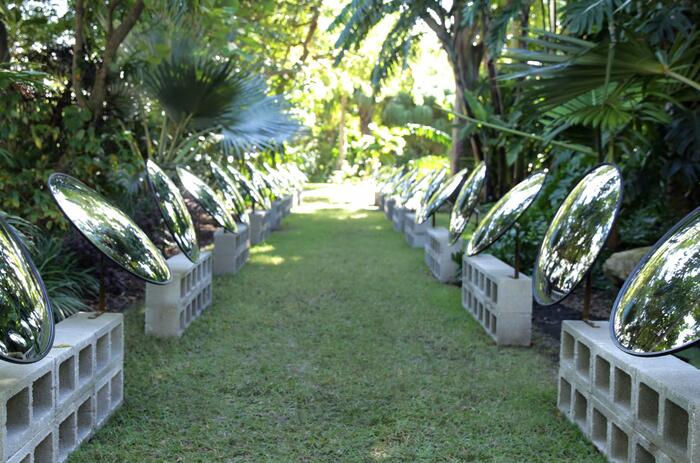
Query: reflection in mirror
x: 435, y: 183
x: 173, y: 209
x: 109, y: 229
x: 411, y: 200
x: 252, y: 190
x: 466, y: 202
x: 418, y: 182
x: 505, y: 213
x: 577, y: 234
x: 658, y: 309
x: 214, y: 203
x: 26, y: 323
x: 227, y: 186
x: 443, y: 194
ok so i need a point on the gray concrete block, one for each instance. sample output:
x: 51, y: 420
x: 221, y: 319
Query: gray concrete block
x: 257, y: 227
x: 654, y: 402
x: 389, y: 207
x: 438, y: 255
x: 228, y: 248
x: 398, y: 217
x: 501, y: 303
x: 171, y: 308
x: 41, y: 448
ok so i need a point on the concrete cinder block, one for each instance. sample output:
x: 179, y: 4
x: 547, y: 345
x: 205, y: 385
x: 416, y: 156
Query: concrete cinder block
x: 41, y: 448
x: 415, y: 233
x: 438, y: 255
x: 228, y: 247
x: 653, y: 403
x: 398, y: 218
x: 171, y: 308
x: 259, y: 223
x: 389, y: 207
x: 501, y: 303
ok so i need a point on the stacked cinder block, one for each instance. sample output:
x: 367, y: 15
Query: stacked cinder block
x: 287, y: 204
x: 398, y: 217
x: 231, y: 250
x: 415, y: 234
x: 389, y: 207
x: 53, y: 406
x: 438, y: 255
x: 499, y: 302
x: 259, y: 226
x: 633, y: 409
x: 276, y: 214
x: 171, y: 308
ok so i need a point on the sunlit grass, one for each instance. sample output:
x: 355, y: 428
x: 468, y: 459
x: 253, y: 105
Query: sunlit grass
x: 348, y: 350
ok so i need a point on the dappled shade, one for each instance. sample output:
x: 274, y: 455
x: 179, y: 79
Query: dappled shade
x: 577, y: 234
x: 109, y: 229
x: 658, y: 309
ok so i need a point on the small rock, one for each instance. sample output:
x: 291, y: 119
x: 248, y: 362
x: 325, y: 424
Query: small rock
x: 619, y: 265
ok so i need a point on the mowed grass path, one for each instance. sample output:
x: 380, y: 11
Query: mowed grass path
x: 334, y: 344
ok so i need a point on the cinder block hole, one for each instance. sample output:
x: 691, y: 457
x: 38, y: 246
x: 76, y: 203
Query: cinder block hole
x: 17, y: 409
x: 102, y: 351
x: 494, y: 293
x: 117, y: 340
x: 619, y: 444
x: 583, y: 359
x: 643, y: 456
x: 481, y: 312
x: 676, y: 426
x: 481, y: 281
x: 567, y: 346
x: 85, y: 418
x: 67, y: 435
x: 43, y: 453
x: 42, y: 395
x: 117, y: 388
x: 85, y: 366
x: 602, y: 374
x: 66, y: 377
x: 580, y: 409
x: 599, y: 428
x: 182, y: 320
x: 623, y: 388
x: 27, y: 459
x: 102, y: 402
x: 487, y: 319
x: 648, y: 406
x: 183, y: 286
x: 494, y: 324
x: 488, y: 288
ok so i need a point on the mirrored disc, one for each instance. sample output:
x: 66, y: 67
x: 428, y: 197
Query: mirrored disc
x: 505, y: 213
x: 577, y: 234
x: 658, y: 309
x: 227, y: 186
x: 440, y: 196
x: 109, y: 229
x: 211, y: 201
x: 27, y: 328
x: 466, y: 202
x: 435, y: 184
x: 254, y: 194
x: 174, y: 210
x: 261, y: 188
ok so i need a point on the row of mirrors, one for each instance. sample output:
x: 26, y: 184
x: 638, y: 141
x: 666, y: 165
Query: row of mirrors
x: 27, y: 326
x: 656, y: 312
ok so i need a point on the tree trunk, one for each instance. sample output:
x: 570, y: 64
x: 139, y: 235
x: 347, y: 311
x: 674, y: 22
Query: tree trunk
x: 4, y: 45
x: 342, y: 143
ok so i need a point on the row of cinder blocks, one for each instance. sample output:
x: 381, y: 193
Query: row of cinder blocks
x: 260, y: 223
x: 632, y: 409
x: 52, y: 406
x: 171, y: 308
x: 231, y: 250
x: 416, y: 234
x: 500, y: 303
x: 438, y: 255
x: 398, y: 218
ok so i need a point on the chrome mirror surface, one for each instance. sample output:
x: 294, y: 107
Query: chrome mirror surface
x: 505, y: 213
x: 443, y: 194
x: 657, y: 311
x: 466, y: 201
x: 211, y: 201
x: 577, y: 234
x: 228, y: 188
x: 109, y: 229
x: 174, y: 210
x: 252, y: 191
x: 26, y: 318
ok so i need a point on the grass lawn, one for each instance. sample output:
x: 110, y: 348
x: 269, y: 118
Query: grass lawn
x: 334, y: 344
